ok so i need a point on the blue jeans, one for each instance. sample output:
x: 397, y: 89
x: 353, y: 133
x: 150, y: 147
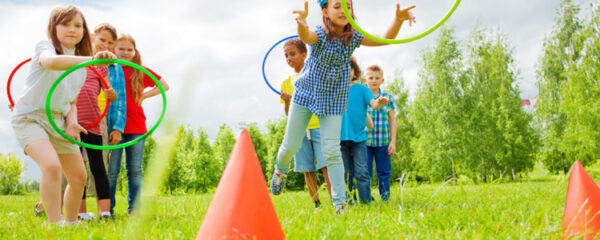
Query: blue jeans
x: 355, y: 165
x: 331, y: 127
x: 383, y: 164
x: 133, y: 165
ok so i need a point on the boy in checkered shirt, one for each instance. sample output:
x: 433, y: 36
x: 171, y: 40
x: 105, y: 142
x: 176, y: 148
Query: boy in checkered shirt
x: 381, y: 143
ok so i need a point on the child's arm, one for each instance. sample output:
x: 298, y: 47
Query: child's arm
x: 155, y: 91
x: 392, y: 120
x: 304, y: 33
x: 73, y: 128
x: 370, y: 124
x: 64, y: 62
x: 401, y: 16
x: 377, y: 103
x: 110, y: 93
x: 286, y: 103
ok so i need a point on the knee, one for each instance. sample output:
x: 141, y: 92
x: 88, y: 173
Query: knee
x: 77, y: 179
x: 53, y: 171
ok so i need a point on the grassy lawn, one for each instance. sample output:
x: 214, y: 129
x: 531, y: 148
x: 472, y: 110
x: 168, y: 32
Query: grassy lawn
x: 531, y: 210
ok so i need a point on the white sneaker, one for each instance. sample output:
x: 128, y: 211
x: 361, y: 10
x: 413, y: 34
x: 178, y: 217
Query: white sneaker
x: 85, y: 216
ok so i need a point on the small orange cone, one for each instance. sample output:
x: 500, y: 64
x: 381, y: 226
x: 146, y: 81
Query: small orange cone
x: 241, y: 207
x: 582, y: 216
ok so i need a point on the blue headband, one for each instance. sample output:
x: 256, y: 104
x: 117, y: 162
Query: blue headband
x: 322, y: 2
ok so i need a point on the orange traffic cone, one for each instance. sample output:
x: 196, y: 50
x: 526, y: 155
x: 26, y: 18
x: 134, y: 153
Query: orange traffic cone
x: 582, y: 216
x: 241, y: 207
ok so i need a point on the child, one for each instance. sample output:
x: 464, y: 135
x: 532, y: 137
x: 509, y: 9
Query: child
x: 354, y: 135
x: 304, y: 160
x: 382, y: 138
x: 87, y: 104
x: 104, y: 38
x: 69, y: 45
x: 135, y: 124
x: 322, y: 89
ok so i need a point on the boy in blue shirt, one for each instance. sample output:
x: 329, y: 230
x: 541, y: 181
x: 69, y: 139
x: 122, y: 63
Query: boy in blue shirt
x: 354, y: 135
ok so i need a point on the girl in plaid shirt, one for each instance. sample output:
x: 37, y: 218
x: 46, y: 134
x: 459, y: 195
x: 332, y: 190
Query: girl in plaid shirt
x: 322, y: 89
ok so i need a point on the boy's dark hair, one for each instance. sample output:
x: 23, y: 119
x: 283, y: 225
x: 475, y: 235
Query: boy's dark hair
x: 105, y: 26
x: 356, y: 68
x: 375, y: 68
x: 300, y: 45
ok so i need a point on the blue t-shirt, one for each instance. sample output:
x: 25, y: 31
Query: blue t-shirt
x: 354, y: 121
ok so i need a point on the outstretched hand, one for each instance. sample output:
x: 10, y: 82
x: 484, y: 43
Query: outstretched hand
x: 301, y: 19
x: 405, y: 14
x: 104, y: 55
x: 383, y: 100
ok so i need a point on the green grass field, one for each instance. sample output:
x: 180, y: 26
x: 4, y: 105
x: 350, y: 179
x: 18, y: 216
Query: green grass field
x: 521, y: 210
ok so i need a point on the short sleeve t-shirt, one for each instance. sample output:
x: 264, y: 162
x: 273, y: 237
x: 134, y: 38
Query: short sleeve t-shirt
x: 288, y: 87
x: 87, y: 100
x: 40, y: 79
x: 136, y: 118
x: 354, y: 121
x: 379, y: 135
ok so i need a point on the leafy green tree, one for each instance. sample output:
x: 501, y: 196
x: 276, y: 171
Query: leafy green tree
x: 260, y: 146
x: 495, y: 111
x: 580, y: 96
x: 437, y: 109
x: 222, y: 146
x: 11, y: 169
x: 561, y: 50
x: 402, y: 161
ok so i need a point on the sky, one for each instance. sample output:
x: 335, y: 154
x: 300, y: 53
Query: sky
x: 211, y: 53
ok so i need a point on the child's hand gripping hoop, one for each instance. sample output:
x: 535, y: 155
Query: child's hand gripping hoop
x: 12, y: 103
x: 99, y: 61
x: 396, y: 41
x: 265, y: 60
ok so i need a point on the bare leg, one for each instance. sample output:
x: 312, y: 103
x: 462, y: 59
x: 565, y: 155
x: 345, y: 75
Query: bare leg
x: 42, y: 152
x: 326, y: 176
x: 74, y: 169
x: 311, y: 182
x: 103, y: 205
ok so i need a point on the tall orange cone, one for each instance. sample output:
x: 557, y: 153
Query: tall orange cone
x: 241, y: 207
x: 582, y: 207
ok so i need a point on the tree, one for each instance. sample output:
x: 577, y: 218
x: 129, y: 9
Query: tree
x: 261, y: 147
x: 495, y: 111
x: 402, y: 161
x: 437, y: 109
x: 561, y: 49
x: 580, y: 97
x: 11, y: 169
x: 222, y: 146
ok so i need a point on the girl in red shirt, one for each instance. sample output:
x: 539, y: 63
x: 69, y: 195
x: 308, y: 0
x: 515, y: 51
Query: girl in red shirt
x: 135, y: 126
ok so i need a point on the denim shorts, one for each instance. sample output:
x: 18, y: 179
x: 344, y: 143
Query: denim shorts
x: 304, y: 159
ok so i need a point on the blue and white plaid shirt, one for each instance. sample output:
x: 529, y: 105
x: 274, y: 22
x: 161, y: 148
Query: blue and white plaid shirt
x: 379, y: 135
x: 117, y: 111
x: 324, y: 81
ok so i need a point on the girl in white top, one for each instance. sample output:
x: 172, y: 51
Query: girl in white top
x: 68, y: 46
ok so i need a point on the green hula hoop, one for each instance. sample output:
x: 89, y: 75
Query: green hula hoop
x: 395, y: 41
x: 98, y: 61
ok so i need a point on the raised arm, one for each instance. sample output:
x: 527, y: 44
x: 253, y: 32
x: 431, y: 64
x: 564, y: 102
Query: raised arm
x: 392, y: 32
x: 304, y: 33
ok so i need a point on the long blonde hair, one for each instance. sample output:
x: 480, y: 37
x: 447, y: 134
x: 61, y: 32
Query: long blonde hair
x: 331, y: 31
x: 65, y: 14
x: 136, y: 80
